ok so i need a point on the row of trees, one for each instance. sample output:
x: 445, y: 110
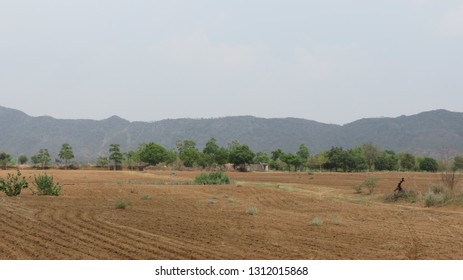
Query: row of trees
x: 366, y: 157
x: 186, y: 154
x: 369, y: 157
x: 42, y: 158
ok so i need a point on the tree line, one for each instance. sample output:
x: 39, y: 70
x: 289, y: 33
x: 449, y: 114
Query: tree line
x: 366, y: 157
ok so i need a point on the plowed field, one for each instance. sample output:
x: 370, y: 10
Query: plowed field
x: 169, y: 219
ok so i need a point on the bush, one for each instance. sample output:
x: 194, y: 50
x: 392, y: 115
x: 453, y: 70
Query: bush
x: 450, y: 179
x: 357, y: 188
x: 46, y: 186
x: 122, y: 203
x: 437, y: 189
x: 409, y: 195
x: 369, y: 183
x: 337, y: 221
x: 437, y: 196
x: 429, y: 164
x: 214, y: 178
x: 13, y: 184
x: 316, y: 222
x: 252, y: 210
x: 146, y: 197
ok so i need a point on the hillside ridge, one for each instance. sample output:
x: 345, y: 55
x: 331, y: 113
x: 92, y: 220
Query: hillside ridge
x: 426, y: 133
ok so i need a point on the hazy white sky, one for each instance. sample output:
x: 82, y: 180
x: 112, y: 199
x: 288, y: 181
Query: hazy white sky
x: 333, y: 61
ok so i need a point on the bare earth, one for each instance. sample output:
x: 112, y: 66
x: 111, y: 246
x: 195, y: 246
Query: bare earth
x: 212, y: 222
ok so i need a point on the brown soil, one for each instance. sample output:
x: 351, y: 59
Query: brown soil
x: 176, y: 221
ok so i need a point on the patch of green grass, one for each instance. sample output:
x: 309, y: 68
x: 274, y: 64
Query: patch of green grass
x: 252, y: 210
x: 214, y: 178
x: 146, y: 197
x: 287, y: 188
x: 122, y: 203
x: 157, y: 183
x: 317, y: 221
x: 337, y: 221
x: 212, y: 200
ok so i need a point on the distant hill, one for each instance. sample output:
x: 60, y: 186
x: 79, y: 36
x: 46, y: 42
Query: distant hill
x: 427, y: 133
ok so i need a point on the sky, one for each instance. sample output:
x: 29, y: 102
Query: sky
x: 331, y: 61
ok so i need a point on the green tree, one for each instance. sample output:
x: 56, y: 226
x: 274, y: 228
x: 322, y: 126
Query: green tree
x: 240, y: 155
x: 211, y: 147
x: 261, y: 157
x: 66, y: 154
x: 276, y: 163
x: 5, y: 159
x: 347, y: 161
x: 334, y: 159
x: 153, y: 153
x: 187, y: 152
x: 277, y: 154
x: 287, y: 158
x: 292, y: 160
x: 205, y: 160
x: 429, y: 164
x: 303, y: 152
x: 102, y: 162
x: 171, y: 157
x: 23, y: 159
x: 131, y: 159
x: 388, y: 160
x: 317, y: 161
x: 213, y: 154
x: 358, y: 161
x: 458, y: 163
x: 407, y: 161
x: 42, y: 157
x: 371, y: 153
x: 115, y: 155
x: 221, y: 157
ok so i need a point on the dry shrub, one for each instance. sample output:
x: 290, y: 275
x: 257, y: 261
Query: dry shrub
x: 252, y: 210
x: 370, y: 183
x: 437, y: 195
x: 450, y: 179
x: 317, y: 221
x: 408, y: 195
x: 122, y: 204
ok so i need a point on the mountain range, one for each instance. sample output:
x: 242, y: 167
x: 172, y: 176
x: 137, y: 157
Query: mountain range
x: 430, y: 133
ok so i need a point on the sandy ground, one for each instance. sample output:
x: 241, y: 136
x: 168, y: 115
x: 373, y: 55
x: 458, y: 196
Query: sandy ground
x: 175, y: 221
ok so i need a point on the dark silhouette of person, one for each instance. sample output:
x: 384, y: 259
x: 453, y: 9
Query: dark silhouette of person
x: 399, y: 186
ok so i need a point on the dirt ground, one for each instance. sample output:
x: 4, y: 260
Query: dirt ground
x: 169, y: 219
